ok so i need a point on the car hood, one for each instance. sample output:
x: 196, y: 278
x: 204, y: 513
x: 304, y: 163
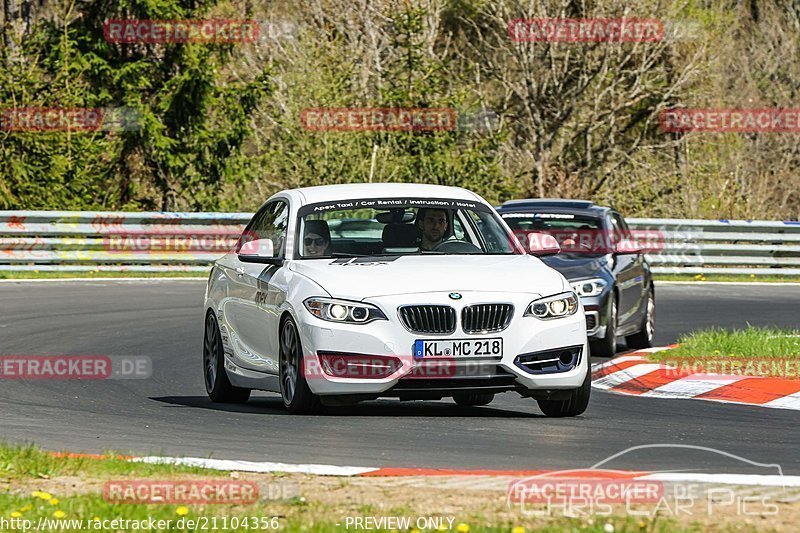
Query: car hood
x: 364, y: 277
x: 577, y: 266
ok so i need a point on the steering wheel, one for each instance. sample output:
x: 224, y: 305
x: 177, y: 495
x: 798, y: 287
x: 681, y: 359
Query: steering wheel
x: 456, y: 246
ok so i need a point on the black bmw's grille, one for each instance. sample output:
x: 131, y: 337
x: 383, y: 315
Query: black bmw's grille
x: 428, y: 318
x: 486, y: 318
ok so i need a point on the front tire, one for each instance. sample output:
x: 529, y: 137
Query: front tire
x: 644, y: 339
x: 297, y: 396
x: 218, y: 386
x: 575, y: 405
x: 473, y: 399
x: 607, y: 346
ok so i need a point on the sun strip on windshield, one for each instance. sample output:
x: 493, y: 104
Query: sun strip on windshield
x: 391, y: 203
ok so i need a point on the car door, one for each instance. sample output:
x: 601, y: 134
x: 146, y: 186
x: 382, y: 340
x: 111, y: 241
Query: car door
x: 252, y: 307
x: 629, y: 272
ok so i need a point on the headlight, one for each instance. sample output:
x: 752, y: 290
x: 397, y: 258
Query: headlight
x: 589, y: 287
x: 557, y: 306
x: 343, y: 311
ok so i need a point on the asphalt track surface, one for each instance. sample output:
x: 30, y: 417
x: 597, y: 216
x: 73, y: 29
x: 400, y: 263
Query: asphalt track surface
x: 170, y: 414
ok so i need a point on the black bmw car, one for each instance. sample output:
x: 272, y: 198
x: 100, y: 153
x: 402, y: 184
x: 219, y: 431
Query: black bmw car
x: 602, y: 260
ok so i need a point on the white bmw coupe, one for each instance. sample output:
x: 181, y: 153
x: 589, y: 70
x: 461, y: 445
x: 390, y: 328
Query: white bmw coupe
x: 342, y: 293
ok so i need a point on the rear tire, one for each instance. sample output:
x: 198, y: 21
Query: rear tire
x: 473, y: 399
x: 297, y: 396
x: 607, y: 346
x: 573, y: 406
x: 644, y: 339
x: 218, y: 386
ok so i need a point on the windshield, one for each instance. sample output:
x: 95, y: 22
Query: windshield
x: 575, y: 234
x: 401, y: 226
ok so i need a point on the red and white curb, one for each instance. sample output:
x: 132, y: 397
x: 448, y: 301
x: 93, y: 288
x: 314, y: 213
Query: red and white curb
x: 634, y: 375
x: 231, y: 465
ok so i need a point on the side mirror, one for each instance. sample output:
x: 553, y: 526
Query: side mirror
x: 541, y: 244
x: 628, y: 246
x: 257, y: 251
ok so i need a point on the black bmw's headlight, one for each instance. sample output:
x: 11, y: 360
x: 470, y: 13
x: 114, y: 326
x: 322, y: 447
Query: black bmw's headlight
x: 589, y: 287
x: 556, y: 306
x: 344, y: 311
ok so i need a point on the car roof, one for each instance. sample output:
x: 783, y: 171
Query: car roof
x: 350, y: 191
x: 553, y: 205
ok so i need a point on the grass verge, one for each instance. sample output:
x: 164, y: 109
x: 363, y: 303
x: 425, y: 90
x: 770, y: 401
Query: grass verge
x: 743, y: 349
x: 68, y: 493
x: 737, y: 278
x: 98, y: 274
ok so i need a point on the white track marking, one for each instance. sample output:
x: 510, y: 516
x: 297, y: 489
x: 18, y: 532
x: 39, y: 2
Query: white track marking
x: 616, y: 360
x: 792, y: 401
x: 626, y: 374
x: 727, y: 479
x: 689, y: 387
x: 252, y: 466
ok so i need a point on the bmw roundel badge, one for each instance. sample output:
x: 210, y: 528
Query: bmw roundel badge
x: 454, y: 296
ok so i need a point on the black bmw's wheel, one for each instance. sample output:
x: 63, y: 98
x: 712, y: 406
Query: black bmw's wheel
x: 218, y: 386
x: 297, y: 396
x: 644, y: 339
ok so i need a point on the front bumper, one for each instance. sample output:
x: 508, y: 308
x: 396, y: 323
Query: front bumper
x: 596, y: 311
x: 442, y: 376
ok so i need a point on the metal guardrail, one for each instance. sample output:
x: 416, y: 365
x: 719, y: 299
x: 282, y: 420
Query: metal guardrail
x: 724, y: 246
x: 75, y: 241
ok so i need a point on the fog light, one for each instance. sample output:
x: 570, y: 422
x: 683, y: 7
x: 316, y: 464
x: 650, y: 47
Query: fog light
x: 565, y: 357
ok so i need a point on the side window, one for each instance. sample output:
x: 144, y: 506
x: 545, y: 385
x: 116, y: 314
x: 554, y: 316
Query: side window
x: 621, y: 230
x: 270, y: 223
x: 458, y: 229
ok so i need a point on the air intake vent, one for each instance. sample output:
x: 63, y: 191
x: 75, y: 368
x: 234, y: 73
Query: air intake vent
x: 429, y: 318
x: 486, y: 318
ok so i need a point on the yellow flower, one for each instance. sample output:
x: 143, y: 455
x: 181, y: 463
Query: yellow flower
x: 26, y: 508
x: 518, y: 529
x: 36, y: 494
x: 45, y: 495
x: 642, y: 525
x: 463, y: 528
x: 752, y: 275
x: 97, y: 519
x: 53, y: 501
x: 59, y: 514
x: 182, y: 510
x: 16, y: 514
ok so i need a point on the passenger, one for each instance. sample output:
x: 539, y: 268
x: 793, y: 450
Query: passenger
x: 316, y: 239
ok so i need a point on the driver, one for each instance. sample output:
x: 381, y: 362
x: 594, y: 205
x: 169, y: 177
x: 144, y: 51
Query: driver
x: 433, y: 224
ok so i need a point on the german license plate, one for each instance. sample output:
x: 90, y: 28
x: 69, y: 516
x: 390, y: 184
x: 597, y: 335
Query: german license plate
x: 458, y: 348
